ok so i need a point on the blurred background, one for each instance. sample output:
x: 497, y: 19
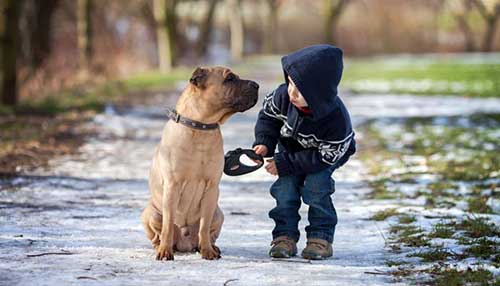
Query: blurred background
x: 49, y: 46
x: 83, y: 90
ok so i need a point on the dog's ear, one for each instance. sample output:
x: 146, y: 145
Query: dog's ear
x: 199, y: 77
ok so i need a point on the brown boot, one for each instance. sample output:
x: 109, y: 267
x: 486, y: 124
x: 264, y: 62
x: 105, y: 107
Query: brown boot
x: 317, y: 249
x: 283, y: 247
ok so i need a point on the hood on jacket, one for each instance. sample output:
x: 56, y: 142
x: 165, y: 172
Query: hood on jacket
x: 316, y: 71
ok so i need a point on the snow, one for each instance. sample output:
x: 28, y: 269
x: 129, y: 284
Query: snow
x: 89, y: 205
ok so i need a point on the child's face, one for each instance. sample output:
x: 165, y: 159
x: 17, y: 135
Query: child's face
x: 296, y: 97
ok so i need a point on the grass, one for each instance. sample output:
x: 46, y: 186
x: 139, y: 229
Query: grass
x: 406, y: 219
x: 96, y: 97
x: 408, y: 235
x: 478, y: 205
x: 437, y: 253
x: 482, y: 248
x: 441, y: 230
x: 453, y: 277
x: 379, y: 191
x: 477, y: 227
x: 384, y: 214
x: 423, y: 76
x: 460, y: 155
x: 391, y: 263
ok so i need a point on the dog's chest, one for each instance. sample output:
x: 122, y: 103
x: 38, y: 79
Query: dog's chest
x: 197, y: 153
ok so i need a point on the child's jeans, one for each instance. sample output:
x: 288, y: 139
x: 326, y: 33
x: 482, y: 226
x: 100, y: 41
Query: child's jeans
x: 315, y: 190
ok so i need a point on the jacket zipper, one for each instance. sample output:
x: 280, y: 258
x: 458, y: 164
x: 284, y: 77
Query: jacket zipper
x: 296, y: 127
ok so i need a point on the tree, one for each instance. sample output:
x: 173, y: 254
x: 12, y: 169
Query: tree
x: 235, y: 17
x: 464, y: 26
x: 84, y: 30
x: 272, y: 25
x: 490, y: 11
x: 165, y: 18
x: 206, y: 29
x: 333, y: 10
x: 41, y: 30
x: 9, y: 45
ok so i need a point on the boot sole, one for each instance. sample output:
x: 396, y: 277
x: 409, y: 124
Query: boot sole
x: 281, y: 255
x: 315, y: 257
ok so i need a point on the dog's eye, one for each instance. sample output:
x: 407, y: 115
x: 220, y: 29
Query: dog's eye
x: 230, y: 78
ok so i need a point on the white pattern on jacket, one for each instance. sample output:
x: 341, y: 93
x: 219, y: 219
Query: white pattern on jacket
x: 331, y: 151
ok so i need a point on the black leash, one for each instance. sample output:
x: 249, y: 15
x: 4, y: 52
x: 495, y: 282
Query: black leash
x: 233, y: 165
x: 176, y: 117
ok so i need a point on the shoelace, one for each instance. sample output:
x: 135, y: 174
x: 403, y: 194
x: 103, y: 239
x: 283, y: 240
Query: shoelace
x: 286, y: 241
x: 319, y: 245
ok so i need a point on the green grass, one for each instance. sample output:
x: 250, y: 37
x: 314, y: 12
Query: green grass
x: 441, y: 230
x: 95, y: 97
x: 482, y: 248
x: 453, y: 277
x: 153, y: 80
x: 379, y: 191
x: 406, y: 219
x: 478, y: 205
x: 437, y: 253
x: 477, y: 227
x: 408, y: 235
x: 461, y: 153
x: 384, y: 214
x: 423, y: 76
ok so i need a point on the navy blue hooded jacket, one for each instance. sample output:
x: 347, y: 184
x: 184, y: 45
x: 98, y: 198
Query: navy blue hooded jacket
x: 307, y: 143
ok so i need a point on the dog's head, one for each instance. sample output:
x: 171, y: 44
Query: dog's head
x: 224, y: 89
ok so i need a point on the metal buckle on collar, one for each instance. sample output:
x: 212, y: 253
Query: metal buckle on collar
x: 172, y: 113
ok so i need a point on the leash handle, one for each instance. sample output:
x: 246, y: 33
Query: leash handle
x: 233, y: 165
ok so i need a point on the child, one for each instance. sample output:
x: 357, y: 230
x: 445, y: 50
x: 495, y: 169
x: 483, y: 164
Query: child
x: 312, y: 128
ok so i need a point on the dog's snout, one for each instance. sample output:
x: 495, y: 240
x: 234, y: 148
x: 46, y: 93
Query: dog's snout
x: 253, y: 84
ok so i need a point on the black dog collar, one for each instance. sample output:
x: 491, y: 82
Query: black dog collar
x: 233, y: 165
x: 176, y: 117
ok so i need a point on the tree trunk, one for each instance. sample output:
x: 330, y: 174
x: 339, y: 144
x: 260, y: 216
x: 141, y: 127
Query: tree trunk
x: 164, y: 13
x: 468, y: 35
x: 461, y: 17
x: 84, y: 30
x: 272, y: 26
x: 236, y: 29
x: 491, y: 19
x: 333, y: 9
x: 10, y: 39
x: 489, y: 35
x: 42, y: 30
x: 206, y: 29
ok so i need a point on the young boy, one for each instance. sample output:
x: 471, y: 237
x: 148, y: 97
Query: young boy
x: 312, y: 128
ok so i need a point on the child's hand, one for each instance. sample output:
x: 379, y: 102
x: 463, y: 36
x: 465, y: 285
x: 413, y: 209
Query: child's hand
x: 260, y: 150
x: 271, y: 167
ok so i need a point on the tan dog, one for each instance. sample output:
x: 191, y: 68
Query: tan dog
x: 183, y: 212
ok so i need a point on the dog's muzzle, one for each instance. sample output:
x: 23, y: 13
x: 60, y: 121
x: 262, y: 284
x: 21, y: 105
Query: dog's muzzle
x: 248, y: 97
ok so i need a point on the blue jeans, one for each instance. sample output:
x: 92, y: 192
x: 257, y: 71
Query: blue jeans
x: 315, y: 190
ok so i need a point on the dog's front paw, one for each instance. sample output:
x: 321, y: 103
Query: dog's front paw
x: 164, y: 253
x: 210, y: 253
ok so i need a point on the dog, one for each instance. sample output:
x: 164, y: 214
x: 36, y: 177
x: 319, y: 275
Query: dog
x: 183, y: 213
